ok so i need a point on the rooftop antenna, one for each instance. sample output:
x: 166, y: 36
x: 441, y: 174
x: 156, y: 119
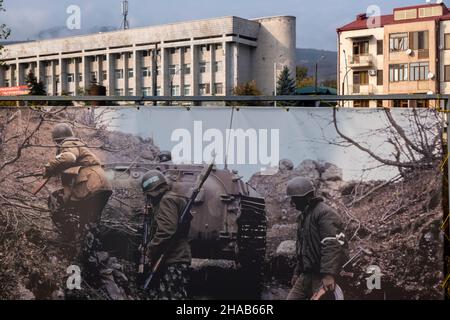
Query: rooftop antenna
x: 125, y: 24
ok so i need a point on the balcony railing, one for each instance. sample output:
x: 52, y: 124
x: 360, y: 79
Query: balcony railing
x: 361, y: 61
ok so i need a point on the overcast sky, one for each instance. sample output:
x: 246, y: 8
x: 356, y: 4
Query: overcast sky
x: 317, y: 20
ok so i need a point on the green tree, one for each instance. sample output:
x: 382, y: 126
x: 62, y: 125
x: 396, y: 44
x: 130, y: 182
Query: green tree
x: 285, y: 86
x: 302, y: 73
x: 36, y: 88
x: 247, y: 89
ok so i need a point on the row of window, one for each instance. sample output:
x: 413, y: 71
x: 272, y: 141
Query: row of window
x: 418, y: 40
x: 203, y: 88
x: 418, y: 71
x: 146, y: 72
x: 395, y: 103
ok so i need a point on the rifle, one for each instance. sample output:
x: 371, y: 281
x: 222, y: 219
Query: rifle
x: 143, y: 247
x: 184, y: 223
x: 40, y: 186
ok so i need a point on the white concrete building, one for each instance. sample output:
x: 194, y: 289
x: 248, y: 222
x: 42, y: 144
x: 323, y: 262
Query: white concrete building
x: 203, y: 57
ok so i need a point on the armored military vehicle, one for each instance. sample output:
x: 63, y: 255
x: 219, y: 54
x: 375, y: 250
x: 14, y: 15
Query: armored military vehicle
x: 229, y: 216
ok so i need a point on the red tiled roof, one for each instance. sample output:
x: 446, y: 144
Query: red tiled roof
x: 361, y: 23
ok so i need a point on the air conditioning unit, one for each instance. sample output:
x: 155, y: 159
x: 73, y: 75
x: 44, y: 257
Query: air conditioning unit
x: 430, y: 76
x: 372, y: 72
x: 409, y: 52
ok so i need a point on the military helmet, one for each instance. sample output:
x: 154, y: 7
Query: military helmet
x: 152, y: 180
x: 62, y: 131
x: 299, y: 187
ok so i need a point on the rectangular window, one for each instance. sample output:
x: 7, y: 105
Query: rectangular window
x: 360, y: 48
x: 80, y: 77
x: 118, y: 92
x: 187, y: 68
x: 379, y: 77
x: 422, y: 104
x: 7, y: 84
x: 418, y: 71
x: 130, y: 73
x: 361, y: 77
x: 379, y: 47
x: 398, y: 72
x: 204, y: 48
x: 447, y: 73
x: 146, y: 91
x: 158, y: 91
x: 146, y: 72
x: 130, y: 92
x: 204, y: 88
x: 400, y: 103
x: 158, y: 70
x: 447, y: 41
x: 203, y: 67
x: 418, y: 40
x: 93, y: 76
x: 175, y: 91
x: 398, y: 42
x: 187, y: 90
x: 104, y: 75
x: 70, y: 77
x: 361, y: 103
x: 173, y: 69
x: 218, y: 66
x: 218, y: 88
x: 146, y: 53
x: 119, y: 74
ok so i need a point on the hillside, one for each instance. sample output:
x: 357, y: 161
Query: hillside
x: 327, y: 67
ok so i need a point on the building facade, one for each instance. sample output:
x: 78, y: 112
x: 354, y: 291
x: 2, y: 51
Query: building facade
x: 204, y: 57
x: 407, y: 52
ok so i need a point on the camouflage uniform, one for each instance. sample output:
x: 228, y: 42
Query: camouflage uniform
x: 172, y: 279
x: 77, y: 208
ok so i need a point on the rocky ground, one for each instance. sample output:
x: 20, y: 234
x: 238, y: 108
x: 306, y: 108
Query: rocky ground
x: 33, y: 260
x: 396, y: 223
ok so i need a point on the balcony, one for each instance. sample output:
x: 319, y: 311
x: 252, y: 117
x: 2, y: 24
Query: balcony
x: 360, y: 61
x: 362, y: 89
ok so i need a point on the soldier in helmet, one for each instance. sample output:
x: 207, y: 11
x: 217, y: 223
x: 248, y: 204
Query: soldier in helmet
x: 85, y: 191
x: 321, y: 243
x: 167, y: 206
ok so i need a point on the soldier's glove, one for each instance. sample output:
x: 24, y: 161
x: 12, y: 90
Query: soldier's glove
x: 328, y: 282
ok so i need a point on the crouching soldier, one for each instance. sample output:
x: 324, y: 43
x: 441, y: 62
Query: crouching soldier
x: 322, y: 248
x: 166, y: 207
x: 83, y: 197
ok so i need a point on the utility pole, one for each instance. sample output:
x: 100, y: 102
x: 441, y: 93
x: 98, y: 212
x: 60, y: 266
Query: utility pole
x: 125, y: 24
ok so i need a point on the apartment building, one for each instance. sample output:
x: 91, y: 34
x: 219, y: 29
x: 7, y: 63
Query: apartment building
x: 203, y: 57
x: 407, y: 52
